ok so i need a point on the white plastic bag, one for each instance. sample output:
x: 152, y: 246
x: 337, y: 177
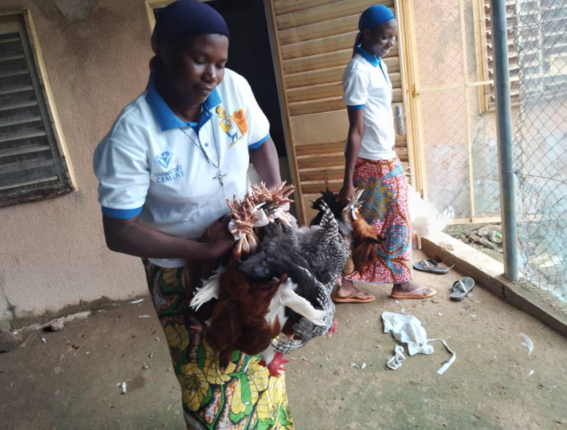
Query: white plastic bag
x: 425, y: 219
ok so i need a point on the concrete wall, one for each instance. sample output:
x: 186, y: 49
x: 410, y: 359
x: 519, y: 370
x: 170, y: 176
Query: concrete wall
x: 52, y: 253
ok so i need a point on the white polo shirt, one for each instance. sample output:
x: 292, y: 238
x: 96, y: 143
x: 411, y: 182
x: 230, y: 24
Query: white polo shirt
x: 154, y: 164
x: 366, y: 85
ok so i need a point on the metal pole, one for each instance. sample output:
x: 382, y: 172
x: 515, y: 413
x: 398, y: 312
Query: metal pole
x: 505, y: 142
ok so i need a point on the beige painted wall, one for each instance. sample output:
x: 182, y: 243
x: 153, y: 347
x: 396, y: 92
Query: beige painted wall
x: 52, y: 253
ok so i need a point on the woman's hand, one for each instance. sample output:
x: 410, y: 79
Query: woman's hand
x: 128, y: 236
x: 222, y: 242
x: 345, y: 195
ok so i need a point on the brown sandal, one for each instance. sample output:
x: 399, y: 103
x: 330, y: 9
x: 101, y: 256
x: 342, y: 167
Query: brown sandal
x: 411, y: 294
x: 360, y: 297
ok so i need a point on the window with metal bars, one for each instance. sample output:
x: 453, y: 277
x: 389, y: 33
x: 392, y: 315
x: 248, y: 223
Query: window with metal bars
x: 540, y: 55
x: 32, y: 162
x: 490, y: 91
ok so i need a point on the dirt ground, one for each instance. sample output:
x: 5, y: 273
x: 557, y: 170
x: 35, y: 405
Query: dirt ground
x: 70, y: 381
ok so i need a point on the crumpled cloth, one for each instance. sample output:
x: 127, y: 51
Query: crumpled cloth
x: 395, y: 361
x: 408, y: 330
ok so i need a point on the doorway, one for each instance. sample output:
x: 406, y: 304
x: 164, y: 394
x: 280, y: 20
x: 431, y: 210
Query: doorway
x: 315, y: 43
x: 250, y: 56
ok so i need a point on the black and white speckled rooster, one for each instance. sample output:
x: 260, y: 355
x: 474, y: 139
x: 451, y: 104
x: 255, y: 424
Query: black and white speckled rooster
x: 313, y: 258
x: 325, y: 245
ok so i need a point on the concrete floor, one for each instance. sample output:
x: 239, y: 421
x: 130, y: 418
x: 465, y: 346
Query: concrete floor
x: 69, y: 382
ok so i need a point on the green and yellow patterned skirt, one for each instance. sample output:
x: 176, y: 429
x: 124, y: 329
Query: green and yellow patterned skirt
x: 245, y: 396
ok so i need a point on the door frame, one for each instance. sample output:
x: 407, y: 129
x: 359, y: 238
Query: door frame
x: 150, y: 5
x: 410, y: 83
x: 284, y: 109
x: 407, y: 71
x: 282, y: 98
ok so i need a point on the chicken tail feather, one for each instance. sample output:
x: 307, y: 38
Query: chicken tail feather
x: 208, y: 292
x: 301, y: 305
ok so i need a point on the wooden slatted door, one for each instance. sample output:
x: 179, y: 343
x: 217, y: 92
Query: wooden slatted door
x: 315, y: 40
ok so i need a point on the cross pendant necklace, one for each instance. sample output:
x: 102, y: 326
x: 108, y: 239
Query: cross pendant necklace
x: 220, y: 176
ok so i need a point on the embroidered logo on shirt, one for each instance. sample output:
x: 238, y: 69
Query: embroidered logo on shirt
x: 164, y: 158
x: 234, y: 126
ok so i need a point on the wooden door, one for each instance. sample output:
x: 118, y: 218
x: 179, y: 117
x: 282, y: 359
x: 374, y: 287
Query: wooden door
x: 313, y: 41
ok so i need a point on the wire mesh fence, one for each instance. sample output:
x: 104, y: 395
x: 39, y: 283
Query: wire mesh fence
x: 540, y: 38
x: 457, y: 118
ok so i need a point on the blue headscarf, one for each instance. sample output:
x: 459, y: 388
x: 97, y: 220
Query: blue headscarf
x: 371, y: 17
x: 187, y: 18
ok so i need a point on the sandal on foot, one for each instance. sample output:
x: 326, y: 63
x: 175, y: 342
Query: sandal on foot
x: 431, y: 266
x: 462, y: 288
x: 412, y: 295
x: 360, y: 297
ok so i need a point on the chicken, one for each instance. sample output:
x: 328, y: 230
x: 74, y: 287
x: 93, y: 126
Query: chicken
x: 194, y: 272
x: 239, y: 318
x: 313, y: 258
x: 300, y: 330
x: 362, y: 238
x: 279, y: 255
x: 251, y: 310
x: 365, y: 238
x: 275, y: 204
x: 325, y: 246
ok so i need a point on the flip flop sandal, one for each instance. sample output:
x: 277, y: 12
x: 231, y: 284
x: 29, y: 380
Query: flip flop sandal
x: 412, y: 295
x: 462, y: 288
x: 431, y: 266
x: 361, y: 297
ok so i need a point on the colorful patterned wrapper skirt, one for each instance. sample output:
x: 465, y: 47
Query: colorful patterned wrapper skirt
x: 385, y: 207
x: 245, y: 396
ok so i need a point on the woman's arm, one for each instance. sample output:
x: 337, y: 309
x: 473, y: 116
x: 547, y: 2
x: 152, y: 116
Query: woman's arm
x: 266, y: 163
x: 128, y: 236
x: 355, y: 133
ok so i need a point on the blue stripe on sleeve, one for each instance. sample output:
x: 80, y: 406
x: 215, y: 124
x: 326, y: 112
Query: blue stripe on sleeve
x: 259, y: 143
x: 357, y: 107
x: 122, y: 213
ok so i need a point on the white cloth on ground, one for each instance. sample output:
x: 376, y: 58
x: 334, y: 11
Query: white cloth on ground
x: 408, y: 329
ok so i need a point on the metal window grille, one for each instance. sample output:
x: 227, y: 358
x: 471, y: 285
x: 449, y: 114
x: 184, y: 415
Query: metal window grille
x: 32, y: 166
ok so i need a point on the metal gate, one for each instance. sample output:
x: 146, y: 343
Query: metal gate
x: 453, y: 106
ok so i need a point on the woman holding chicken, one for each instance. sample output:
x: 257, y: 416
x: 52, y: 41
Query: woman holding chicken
x: 372, y: 164
x: 165, y: 168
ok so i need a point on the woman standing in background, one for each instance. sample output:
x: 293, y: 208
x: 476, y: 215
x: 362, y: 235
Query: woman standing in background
x: 372, y: 164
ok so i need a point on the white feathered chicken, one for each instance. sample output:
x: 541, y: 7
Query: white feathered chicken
x: 426, y: 220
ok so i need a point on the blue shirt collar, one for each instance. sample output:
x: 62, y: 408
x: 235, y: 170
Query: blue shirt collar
x: 166, y: 118
x: 375, y: 61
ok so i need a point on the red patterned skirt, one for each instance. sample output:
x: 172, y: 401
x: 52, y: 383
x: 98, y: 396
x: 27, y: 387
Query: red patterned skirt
x: 385, y: 207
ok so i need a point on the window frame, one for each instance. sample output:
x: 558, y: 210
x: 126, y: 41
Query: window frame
x: 489, y: 91
x: 43, y: 93
x: 545, y: 64
x: 150, y: 6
